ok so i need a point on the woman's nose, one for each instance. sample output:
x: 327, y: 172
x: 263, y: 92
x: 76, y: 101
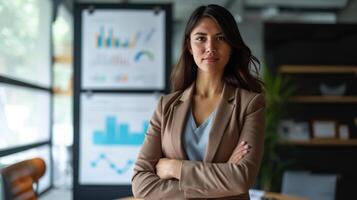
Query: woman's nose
x: 211, y: 46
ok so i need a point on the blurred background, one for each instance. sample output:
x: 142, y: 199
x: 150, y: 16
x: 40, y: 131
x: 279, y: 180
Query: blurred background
x: 307, y: 50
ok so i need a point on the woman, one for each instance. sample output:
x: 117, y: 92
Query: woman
x: 205, y: 140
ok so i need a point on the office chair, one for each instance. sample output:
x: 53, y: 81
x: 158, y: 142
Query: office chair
x: 19, y: 178
x: 309, y: 185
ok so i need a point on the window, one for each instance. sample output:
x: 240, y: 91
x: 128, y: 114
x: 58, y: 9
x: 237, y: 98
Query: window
x: 24, y: 116
x: 25, y: 40
x: 25, y: 83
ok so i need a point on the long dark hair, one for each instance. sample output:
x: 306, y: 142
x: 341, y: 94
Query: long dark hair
x: 236, y: 72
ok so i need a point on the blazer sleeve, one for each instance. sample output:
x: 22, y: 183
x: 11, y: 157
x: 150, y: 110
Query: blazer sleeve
x: 145, y: 183
x: 214, y: 180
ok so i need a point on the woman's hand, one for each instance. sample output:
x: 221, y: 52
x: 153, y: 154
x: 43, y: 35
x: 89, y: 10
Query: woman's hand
x: 168, y: 168
x: 171, y: 168
x: 239, y: 152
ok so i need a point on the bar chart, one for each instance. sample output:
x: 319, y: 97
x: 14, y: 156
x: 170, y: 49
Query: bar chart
x: 113, y: 128
x: 109, y: 40
x: 119, y: 133
x: 117, y: 56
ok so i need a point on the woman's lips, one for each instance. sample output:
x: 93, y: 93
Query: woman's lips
x: 210, y: 59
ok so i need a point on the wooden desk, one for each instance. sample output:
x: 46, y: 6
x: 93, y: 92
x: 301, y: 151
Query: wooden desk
x: 278, y: 196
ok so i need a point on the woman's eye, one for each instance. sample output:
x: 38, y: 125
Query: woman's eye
x: 221, y: 38
x: 200, y: 38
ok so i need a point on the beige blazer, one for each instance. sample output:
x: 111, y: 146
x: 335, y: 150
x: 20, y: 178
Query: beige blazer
x: 240, y: 116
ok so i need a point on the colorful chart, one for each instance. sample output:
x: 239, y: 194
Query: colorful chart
x: 108, y: 40
x: 117, y: 44
x: 112, y: 129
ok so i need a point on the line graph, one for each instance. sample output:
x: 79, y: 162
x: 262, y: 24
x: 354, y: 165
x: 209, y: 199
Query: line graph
x: 113, y: 166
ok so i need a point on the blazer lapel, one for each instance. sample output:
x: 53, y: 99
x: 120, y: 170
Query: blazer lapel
x: 223, y: 114
x: 179, y: 118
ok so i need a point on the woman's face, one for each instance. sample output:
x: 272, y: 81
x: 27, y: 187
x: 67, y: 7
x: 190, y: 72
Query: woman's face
x: 209, y: 47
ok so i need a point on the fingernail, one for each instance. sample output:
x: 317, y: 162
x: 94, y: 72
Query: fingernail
x: 242, y: 142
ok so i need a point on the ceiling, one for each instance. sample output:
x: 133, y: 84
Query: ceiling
x: 242, y: 9
x: 181, y: 8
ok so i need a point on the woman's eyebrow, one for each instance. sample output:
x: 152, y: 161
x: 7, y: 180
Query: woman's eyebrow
x: 201, y: 33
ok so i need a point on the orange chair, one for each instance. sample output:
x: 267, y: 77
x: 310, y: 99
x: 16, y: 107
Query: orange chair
x: 20, y: 177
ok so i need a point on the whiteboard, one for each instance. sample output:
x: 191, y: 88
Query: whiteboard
x: 112, y: 129
x: 123, y: 49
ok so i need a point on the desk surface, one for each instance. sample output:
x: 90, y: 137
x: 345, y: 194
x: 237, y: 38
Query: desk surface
x: 279, y: 196
x: 275, y: 196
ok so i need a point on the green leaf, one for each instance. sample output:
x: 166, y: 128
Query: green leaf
x: 278, y: 90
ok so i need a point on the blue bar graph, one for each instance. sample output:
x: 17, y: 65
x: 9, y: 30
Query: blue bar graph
x: 119, y: 133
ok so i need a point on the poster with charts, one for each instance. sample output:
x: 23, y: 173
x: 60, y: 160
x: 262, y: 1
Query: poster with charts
x: 112, y: 129
x: 123, y: 49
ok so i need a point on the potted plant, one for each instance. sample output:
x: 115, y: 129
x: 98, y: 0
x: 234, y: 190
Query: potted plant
x: 278, y: 89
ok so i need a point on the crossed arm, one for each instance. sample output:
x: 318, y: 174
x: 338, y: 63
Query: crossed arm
x: 171, y: 168
x: 165, y: 183
x: 156, y: 177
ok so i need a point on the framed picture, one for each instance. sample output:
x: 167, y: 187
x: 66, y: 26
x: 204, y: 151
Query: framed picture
x: 291, y: 130
x: 343, y: 131
x: 324, y: 129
